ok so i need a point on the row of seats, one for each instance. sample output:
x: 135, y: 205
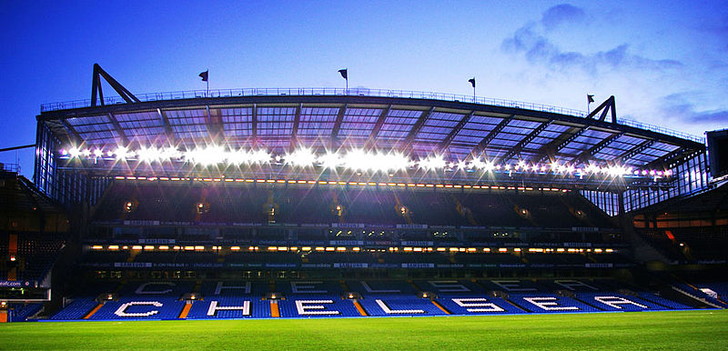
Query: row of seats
x: 238, y: 299
x: 364, y: 287
x: 191, y: 257
x: 227, y: 204
x: 328, y: 306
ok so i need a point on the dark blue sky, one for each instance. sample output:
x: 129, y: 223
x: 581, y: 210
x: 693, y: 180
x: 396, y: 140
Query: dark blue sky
x: 665, y: 61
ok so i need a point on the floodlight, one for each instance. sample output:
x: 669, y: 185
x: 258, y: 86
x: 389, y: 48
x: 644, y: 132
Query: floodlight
x: 170, y: 153
x: 260, y: 156
x: 301, y: 157
x: 148, y: 154
x: 432, y: 163
x: 209, y: 155
x: 122, y: 153
x: 330, y: 160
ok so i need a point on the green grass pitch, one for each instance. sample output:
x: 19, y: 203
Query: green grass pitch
x: 676, y: 330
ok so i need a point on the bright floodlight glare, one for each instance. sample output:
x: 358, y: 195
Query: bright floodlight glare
x: 170, y: 153
x: 301, y: 157
x: 238, y: 157
x: 123, y: 153
x: 74, y: 152
x: 260, y: 156
x: 360, y: 160
x: 477, y: 163
x: 209, y: 155
x: 148, y: 154
x: 330, y: 160
x: 433, y: 163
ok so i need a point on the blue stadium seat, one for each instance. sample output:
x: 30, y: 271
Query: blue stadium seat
x: 401, y: 306
x: 256, y: 308
x: 612, y: 301
x: 140, y: 308
x: 450, y: 287
x: 549, y: 303
x: 381, y: 287
x: 317, y: 306
x: 478, y: 305
x: 76, y: 309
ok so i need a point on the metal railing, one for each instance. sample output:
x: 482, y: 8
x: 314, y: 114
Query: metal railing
x: 177, y: 95
x: 659, y: 129
x: 222, y: 93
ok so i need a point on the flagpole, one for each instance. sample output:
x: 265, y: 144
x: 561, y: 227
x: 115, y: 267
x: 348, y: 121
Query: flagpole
x: 208, y: 83
x: 589, y: 100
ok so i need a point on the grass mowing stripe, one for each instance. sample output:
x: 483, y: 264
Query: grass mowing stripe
x: 675, y: 330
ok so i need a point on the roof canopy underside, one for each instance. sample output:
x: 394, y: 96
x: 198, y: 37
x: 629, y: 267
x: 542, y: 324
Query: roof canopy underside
x: 419, y: 127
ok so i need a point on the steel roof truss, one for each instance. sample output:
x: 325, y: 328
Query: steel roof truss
x: 522, y: 144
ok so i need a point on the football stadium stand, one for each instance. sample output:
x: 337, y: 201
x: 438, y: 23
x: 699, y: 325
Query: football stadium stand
x: 280, y: 203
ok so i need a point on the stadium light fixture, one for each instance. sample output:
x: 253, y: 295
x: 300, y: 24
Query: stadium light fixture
x: 301, y: 157
x: 432, y: 163
x: 148, y: 155
x: 330, y: 160
x: 123, y: 153
x: 358, y: 160
x: 206, y: 156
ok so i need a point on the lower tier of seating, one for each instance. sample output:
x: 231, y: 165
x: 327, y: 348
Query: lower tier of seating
x: 306, y: 299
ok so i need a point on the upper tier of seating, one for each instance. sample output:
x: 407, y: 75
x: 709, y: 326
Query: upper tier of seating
x: 222, y: 203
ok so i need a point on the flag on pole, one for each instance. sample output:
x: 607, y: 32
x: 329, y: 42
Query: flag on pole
x: 344, y: 73
x: 472, y: 81
x: 589, y: 99
x: 204, y: 75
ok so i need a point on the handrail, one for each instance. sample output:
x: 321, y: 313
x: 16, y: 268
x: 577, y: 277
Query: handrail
x: 191, y: 94
x: 221, y: 93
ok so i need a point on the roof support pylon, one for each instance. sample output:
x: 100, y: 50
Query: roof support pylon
x: 97, y: 92
x: 607, y: 106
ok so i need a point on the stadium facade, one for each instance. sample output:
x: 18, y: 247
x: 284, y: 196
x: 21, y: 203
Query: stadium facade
x: 353, y: 202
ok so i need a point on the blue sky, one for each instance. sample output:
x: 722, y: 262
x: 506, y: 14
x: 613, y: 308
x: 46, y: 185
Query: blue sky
x: 665, y: 61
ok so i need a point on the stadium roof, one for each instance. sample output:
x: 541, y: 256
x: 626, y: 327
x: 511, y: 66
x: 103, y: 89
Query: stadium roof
x: 418, y: 124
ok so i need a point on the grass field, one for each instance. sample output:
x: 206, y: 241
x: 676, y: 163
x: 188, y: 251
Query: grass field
x: 678, y: 330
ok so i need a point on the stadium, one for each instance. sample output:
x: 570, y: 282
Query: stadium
x: 276, y: 204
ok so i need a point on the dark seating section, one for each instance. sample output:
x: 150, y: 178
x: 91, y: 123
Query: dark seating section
x: 330, y: 298
x: 227, y: 259
x: 234, y: 203
x: 35, y: 256
x: 690, y: 245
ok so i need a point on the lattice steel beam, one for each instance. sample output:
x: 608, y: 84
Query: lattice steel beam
x: 448, y: 139
x: 294, y: 131
x: 522, y: 144
x: 254, y: 124
x: 118, y: 128
x: 418, y: 125
x: 337, y: 126
x: 635, y: 151
x: 214, y: 124
x: 378, y: 126
x: 550, y: 150
x: 167, y: 126
x: 488, y: 138
x: 669, y: 160
x: 73, y: 135
x: 589, y: 153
